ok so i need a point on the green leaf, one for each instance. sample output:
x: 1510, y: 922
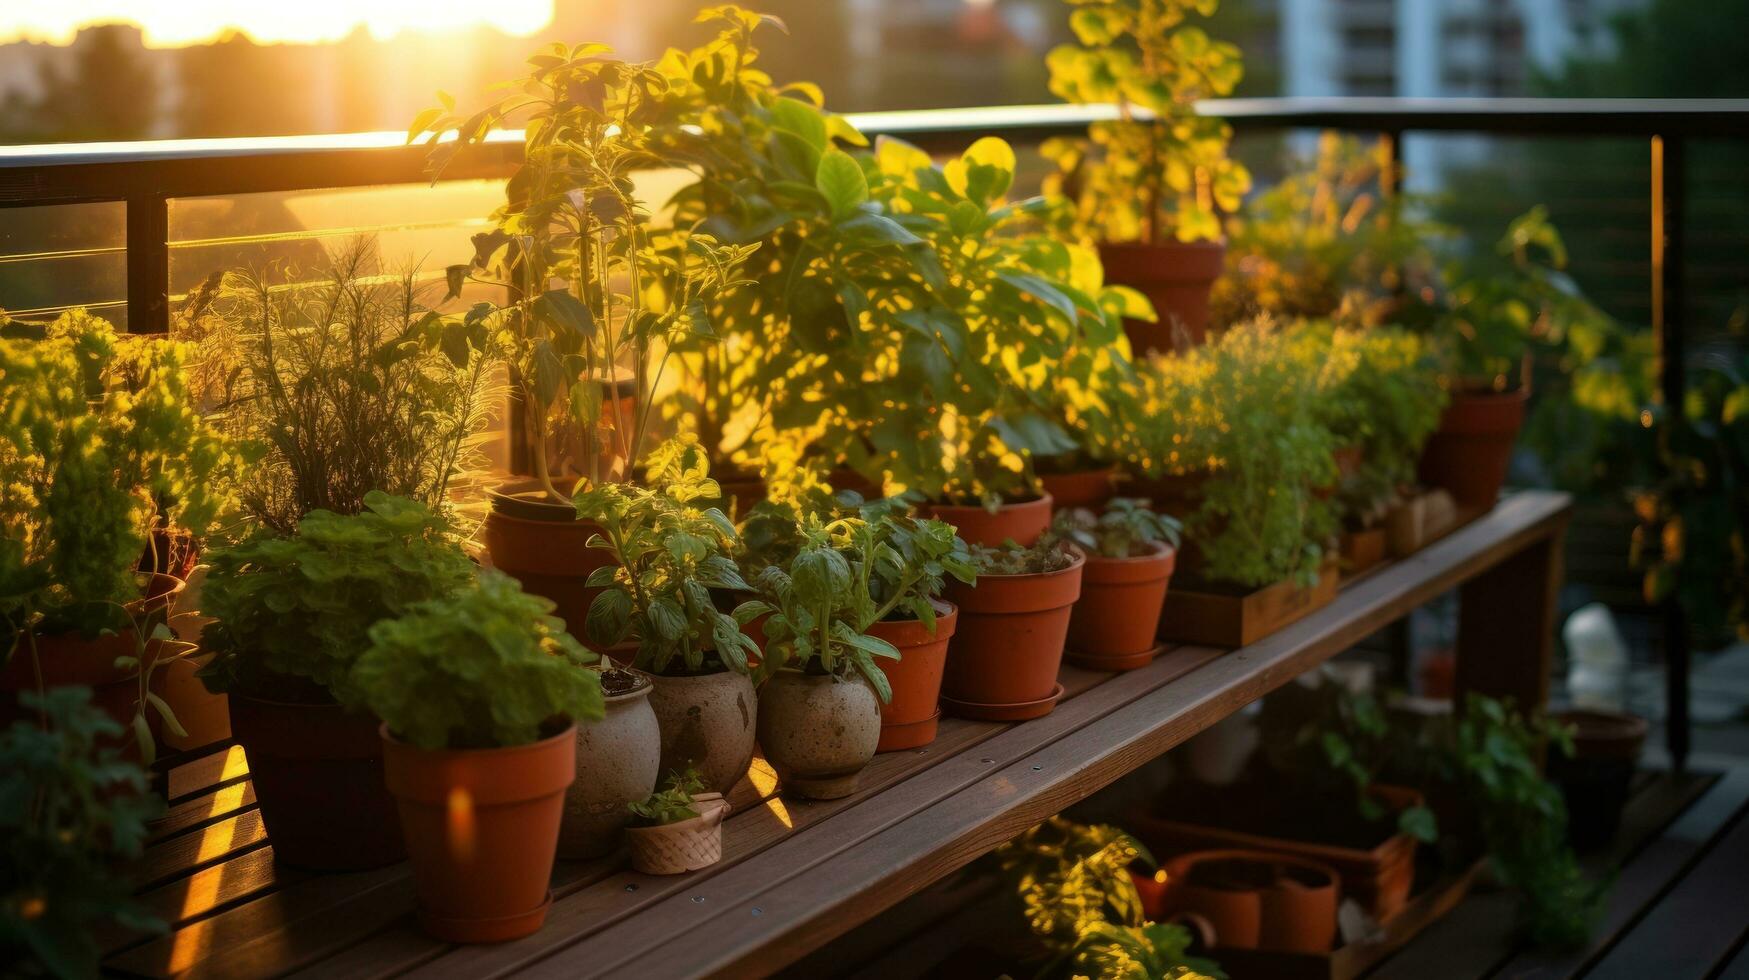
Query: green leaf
x: 841, y: 181
x: 1043, y: 291
x: 876, y: 229
x: 565, y: 312
x: 800, y: 119
x: 609, y: 617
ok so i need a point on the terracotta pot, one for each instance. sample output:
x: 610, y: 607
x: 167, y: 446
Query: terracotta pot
x: 910, y: 719
x: 1597, y: 779
x: 818, y: 731
x: 318, y: 775
x: 618, y: 763
x: 1114, y: 623
x: 1022, y: 521
x: 544, y: 547
x: 205, y: 717
x: 708, y: 722
x: 1009, y: 644
x: 1255, y: 899
x: 1176, y: 277
x: 1362, y: 549
x: 482, y: 826
x: 687, y: 845
x: 1472, y: 449
x: 1091, y: 489
x: 69, y: 659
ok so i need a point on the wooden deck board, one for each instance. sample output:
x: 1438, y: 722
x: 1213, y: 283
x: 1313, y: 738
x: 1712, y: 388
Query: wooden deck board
x: 920, y: 815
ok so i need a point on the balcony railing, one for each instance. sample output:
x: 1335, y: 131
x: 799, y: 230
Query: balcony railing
x: 146, y: 177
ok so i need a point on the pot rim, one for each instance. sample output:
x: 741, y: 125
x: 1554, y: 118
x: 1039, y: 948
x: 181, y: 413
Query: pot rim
x: 1075, y: 552
x: 1161, y: 550
x: 1023, y: 502
x: 569, y: 733
x: 646, y: 684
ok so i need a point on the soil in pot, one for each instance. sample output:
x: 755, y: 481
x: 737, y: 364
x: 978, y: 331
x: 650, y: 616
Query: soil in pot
x: 544, y: 546
x: 1020, y: 521
x: 1176, y: 277
x: 818, y: 731
x: 707, y: 721
x: 1470, y: 452
x: 1113, y: 624
x: 1008, y: 646
x: 618, y: 762
x: 1598, y: 778
x: 318, y: 776
x: 482, y: 827
x: 911, y: 718
x: 1088, y: 488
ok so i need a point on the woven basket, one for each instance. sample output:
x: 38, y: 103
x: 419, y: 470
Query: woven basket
x: 689, y: 845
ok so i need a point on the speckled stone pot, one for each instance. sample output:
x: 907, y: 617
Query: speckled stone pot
x: 818, y: 731
x: 707, y: 722
x: 618, y: 761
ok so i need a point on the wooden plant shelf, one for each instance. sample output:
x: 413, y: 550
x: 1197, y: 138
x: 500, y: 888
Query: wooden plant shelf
x: 797, y: 874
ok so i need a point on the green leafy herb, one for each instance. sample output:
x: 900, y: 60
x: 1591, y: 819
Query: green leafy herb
x: 1123, y: 530
x: 1046, y: 555
x: 672, y: 803
x: 486, y: 667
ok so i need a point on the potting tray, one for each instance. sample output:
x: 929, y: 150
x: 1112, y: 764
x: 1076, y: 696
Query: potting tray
x: 797, y: 874
x: 1218, y: 616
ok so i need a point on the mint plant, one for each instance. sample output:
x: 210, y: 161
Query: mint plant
x: 486, y: 667
x: 671, y: 553
x: 293, y: 614
x: 1121, y: 531
x: 672, y: 803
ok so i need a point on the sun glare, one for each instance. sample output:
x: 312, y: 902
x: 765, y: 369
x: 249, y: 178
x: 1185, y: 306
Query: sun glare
x: 171, y: 23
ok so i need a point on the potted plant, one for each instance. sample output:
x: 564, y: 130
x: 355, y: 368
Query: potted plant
x: 292, y: 615
x: 1232, y: 442
x: 618, y: 760
x: 598, y: 309
x: 1002, y: 662
x: 75, y: 813
x: 1596, y: 780
x: 101, y: 448
x: 479, y: 693
x: 1131, y: 551
x: 669, y: 552
x: 1148, y: 186
x: 677, y: 829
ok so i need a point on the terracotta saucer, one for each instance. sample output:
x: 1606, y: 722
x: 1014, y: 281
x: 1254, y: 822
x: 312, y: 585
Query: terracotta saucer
x: 1003, y: 712
x: 910, y: 735
x: 1119, y: 662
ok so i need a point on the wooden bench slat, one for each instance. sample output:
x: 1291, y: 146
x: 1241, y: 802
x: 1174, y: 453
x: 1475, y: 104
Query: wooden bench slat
x: 204, y: 808
x: 207, y: 772
x: 206, y: 846
x: 887, y: 861
x: 1696, y: 925
x: 750, y: 833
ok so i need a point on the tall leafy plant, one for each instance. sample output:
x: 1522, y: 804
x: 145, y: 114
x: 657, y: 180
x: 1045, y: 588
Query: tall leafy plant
x: 1159, y: 171
x: 597, y: 307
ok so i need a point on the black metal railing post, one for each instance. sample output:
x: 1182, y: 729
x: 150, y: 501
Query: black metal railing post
x: 148, y: 263
x: 1669, y: 317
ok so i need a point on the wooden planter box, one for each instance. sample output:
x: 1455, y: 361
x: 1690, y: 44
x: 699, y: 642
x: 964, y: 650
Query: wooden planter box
x: 1210, y: 614
x: 1420, y: 520
x: 1362, y: 551
x: 1351, y: 960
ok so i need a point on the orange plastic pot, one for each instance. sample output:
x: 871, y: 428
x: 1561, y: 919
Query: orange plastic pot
x: 1022, y: 521
x: 1176, y: 277
x: 482, y: 827
x: 1468, y: 455
x: 1256, y: 900
x: 72, y: 659
x: 910, y: 719
x: 1002, y: 662
x: 318, y: 775
x: 544, y: 547
x: 1114, y: 623
x: 1091, y: 489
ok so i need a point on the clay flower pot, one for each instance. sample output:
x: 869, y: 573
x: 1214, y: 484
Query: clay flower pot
x: 1176, y: 277
x: 1003, y: 659
x: 318, y: 775
x: 1021, y: 521
x: 688, y: 845
x: 71, y: 659
x: 482, y: 826
x: 618, y: 763
x: 1471, y: 450
x: 1597, y: 779
x: 707, y: 722
x: 1256, y: 900
x: 910, y: 719
x: 545, y: 548
x: 1114, y: 623
x: 1083, y: 488
x: 818, y: 731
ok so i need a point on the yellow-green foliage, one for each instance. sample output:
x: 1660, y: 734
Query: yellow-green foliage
x: 1161, y: 171
x: 99, y: 442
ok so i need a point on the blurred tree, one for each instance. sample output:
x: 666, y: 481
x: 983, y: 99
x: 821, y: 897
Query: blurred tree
x: 106, y: 92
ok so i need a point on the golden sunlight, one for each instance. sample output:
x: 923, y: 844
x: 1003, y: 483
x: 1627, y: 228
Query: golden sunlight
x: 182, y: 22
